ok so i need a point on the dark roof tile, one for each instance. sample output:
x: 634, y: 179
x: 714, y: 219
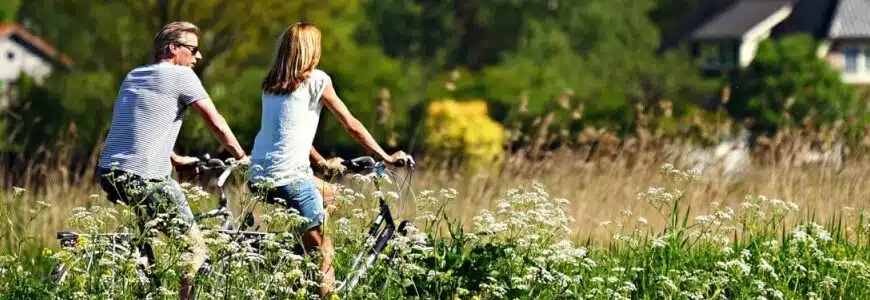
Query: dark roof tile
x: 739, y: 18
x: 851, y: 20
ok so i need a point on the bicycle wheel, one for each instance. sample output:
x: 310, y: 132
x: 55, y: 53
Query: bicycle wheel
x: 217, y: 279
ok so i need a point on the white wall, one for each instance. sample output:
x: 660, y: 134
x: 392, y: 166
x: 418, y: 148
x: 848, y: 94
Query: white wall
x: 838, y: 60
x: 22, y: 60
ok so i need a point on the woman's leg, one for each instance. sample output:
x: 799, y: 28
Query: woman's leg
x: 311, y: 206
x: 328, y: 190
x: 314, y: 239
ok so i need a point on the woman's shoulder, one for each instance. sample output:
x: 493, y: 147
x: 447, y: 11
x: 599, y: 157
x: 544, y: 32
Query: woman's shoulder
x: 318, y: 74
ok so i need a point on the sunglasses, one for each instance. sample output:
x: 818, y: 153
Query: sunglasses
x: 193, y: 49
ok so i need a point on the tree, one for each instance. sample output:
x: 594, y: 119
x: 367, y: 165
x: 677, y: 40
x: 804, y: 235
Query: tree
x: 788, y: 82
x: 9, y: 10
x: 238, y: 39
x: 601, y: 53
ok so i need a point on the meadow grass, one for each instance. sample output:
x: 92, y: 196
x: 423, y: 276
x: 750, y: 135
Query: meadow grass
x: 520, y: 246
x: 596, y: 191
x: 559, y: 226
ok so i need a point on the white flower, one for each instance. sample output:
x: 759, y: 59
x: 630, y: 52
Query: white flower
x: 659, y: 243
x: 705, y: 219
x: 642, y: 220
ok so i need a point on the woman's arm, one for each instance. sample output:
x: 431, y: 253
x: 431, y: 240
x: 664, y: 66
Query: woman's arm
x: 315, y: 157
x: 355, y: 127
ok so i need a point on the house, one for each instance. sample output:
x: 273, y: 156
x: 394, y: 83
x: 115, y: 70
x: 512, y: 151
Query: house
x: 725, y: 33
x: 22, y: 52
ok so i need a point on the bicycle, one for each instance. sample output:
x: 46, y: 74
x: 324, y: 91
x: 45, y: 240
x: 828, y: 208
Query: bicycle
x: 120, y: 244
x: 382, y: 229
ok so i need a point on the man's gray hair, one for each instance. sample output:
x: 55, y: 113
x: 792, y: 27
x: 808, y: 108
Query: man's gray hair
x: 171, y: 33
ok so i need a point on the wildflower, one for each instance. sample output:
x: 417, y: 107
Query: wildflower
x: 449, y: 193
x: 829, y: 283
x: 705, y: 219
x: 642, y: 220
x: 659, y: 243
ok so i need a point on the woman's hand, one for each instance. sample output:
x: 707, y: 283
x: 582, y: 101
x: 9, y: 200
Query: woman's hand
x: 332, y: 165
x: 399, y: 158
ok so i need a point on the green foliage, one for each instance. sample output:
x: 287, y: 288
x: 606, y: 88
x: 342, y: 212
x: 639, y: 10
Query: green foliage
x: 619, y: 67
x: 599, y: 54
x: 9, y: 10
x: 786, y: 83
x: 65, y: 105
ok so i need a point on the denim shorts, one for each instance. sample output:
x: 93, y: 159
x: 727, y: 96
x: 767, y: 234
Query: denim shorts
x: 154, y: 195
x: 303, y: 196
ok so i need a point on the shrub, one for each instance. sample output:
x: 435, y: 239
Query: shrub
x: 464, y: 129
x: 786, y: 83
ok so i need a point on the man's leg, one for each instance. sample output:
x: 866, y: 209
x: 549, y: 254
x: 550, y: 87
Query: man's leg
x: 170, y: 195
x: 198, y: 248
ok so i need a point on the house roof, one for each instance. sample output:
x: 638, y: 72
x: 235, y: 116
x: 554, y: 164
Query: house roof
x: 851, y: 20
x: 808, y: 16
x: 34, y: 43
x: 739, y: 18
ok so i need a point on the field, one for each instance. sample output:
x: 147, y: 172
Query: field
x: 559, y: 227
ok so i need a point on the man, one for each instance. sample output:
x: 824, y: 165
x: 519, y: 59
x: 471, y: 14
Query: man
x: 137, y: 157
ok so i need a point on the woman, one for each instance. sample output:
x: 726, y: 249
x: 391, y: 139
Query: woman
x: 293, y: 93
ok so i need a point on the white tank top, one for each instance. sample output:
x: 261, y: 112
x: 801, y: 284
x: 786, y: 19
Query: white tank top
x: 287, y: 128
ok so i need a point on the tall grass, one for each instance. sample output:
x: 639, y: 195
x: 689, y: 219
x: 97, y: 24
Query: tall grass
x: 520, y: 247
x: 625, y: 229
x: 599, y: 185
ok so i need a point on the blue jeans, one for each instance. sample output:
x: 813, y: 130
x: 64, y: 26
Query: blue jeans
x: 157, y: 196
x: 302, y: 196
x: 149, y: 197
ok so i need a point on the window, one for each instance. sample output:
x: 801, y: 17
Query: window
x: 721, y: 54
x: 856, y: 59
x: 728, y: 52
x: 867, y: 60
x: 850, y: 55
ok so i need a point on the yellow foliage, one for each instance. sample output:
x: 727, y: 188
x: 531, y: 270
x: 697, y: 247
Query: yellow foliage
x: 464, y: 129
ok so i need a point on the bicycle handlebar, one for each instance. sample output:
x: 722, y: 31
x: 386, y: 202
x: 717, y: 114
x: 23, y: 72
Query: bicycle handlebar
x: 206, y: 163
x: 363, y: 163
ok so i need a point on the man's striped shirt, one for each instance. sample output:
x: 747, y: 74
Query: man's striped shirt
x: 147, y: 117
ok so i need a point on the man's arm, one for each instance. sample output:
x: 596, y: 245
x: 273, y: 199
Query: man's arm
x: 181, y: 160
x: 219, y: 127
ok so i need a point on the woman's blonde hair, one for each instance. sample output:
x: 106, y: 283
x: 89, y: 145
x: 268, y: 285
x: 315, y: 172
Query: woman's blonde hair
x: 296, y: 55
